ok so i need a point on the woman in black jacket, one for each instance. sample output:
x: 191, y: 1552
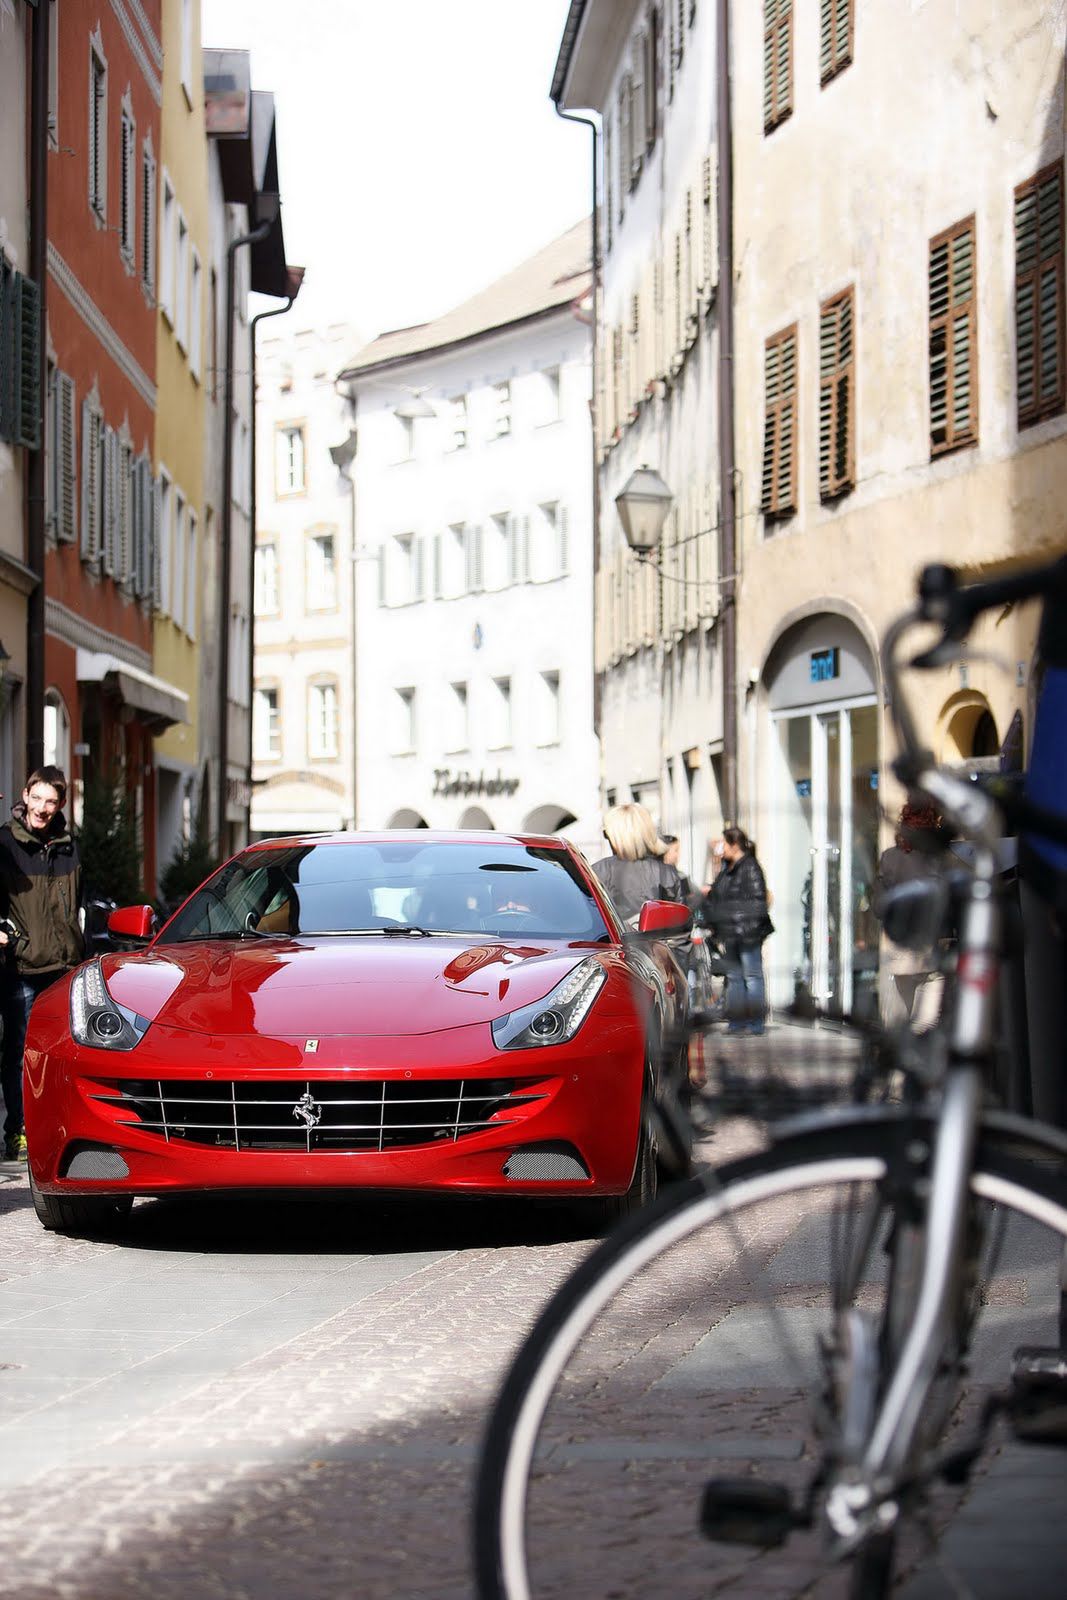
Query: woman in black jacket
x: 736, y: 911
x: 636, y: 870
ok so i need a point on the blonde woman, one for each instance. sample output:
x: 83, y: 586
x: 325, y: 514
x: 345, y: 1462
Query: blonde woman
x: 636, y: 870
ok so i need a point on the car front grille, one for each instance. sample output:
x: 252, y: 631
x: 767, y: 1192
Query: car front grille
x: 325, y: 1114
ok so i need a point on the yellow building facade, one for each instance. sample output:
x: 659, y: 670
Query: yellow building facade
x: 186, y: 366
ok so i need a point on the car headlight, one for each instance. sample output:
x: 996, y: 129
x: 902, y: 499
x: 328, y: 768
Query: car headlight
x: 557, y: 1017
x: 97, y: 1019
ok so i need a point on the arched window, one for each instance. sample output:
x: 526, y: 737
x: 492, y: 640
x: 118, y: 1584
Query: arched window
x: 56, y: 731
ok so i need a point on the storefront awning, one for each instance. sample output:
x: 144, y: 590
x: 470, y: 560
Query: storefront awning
x: 154, y: 699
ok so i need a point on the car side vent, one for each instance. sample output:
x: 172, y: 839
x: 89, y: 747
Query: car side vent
x: 96, y: 1162
x: 545, y: 1164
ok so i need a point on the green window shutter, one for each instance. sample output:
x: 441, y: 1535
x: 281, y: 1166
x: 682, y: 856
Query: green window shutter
x: 7, y: 350
x: 953, y: 350
x: 27, y: 364
x: 1039, y: 296
x: 777, y: 62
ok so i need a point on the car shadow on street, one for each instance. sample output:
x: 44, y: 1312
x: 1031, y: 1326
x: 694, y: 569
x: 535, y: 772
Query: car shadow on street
x: 344, y: 1224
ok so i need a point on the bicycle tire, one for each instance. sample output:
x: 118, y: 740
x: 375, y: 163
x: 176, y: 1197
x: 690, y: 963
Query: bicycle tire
x: 861, y: 1148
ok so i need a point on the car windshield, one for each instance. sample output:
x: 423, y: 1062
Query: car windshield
x: 500, y: 890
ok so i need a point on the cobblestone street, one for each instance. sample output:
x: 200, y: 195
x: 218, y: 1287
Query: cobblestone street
x: 247, y: 1398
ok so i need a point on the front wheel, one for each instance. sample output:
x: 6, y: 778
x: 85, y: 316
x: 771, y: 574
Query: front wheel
x: 666, y: 1427
x: 82, y: 1215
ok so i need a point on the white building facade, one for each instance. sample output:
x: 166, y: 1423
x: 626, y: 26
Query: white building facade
x: 474, y: 571
x: 646, y: 72
x: 302, y: 721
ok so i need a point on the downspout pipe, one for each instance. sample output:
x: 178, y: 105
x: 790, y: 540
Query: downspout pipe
x: 574, y: 116
x: 727, y: 448
x: 261, y: 316
x: 35, y: 499
x: 226, y: 529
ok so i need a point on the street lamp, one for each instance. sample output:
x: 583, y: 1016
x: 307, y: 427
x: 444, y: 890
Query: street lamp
x: 643, y: 504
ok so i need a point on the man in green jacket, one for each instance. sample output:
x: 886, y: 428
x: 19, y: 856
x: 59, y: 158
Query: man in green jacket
x: 40, y: 897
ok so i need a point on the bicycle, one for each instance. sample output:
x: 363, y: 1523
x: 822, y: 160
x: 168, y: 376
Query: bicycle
x: 801, y: 1319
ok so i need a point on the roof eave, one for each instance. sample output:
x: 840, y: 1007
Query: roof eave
x: 353, y: 374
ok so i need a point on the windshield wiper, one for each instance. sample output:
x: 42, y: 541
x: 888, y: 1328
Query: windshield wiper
x: 229, y: 933
x: 403, y: 929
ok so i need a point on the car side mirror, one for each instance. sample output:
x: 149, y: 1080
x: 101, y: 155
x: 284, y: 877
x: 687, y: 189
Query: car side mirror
x: 132, y: 922
x: 664, y: 918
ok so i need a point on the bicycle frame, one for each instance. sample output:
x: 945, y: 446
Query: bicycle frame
x: 891, y: 1448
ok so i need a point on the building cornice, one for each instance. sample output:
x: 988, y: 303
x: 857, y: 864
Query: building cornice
x: 133, y: 39
x: 15, y: 575
x: 155, y: 47
x: 98, y: 324
x: 79, y: 633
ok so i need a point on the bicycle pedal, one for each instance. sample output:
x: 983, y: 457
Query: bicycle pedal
x: 1039, y: 1394
x: 744, y: 1511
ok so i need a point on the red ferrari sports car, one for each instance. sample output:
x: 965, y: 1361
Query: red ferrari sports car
x: 417, y: 1011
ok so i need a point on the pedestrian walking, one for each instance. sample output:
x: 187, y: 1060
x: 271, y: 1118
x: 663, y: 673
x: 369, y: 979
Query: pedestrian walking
x: 915, y: 981
x: 735, y: 909
x: 636, y: 870
x: 40, y: 939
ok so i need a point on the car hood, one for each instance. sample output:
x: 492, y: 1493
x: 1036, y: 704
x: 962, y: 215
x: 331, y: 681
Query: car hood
x: 338, y: 986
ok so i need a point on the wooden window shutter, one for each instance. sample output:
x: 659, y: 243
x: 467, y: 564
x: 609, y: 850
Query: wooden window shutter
x: 837, y: 396
x: 27, y: 371
x: 1039, y: 292
x: 90, y: 545
x: 109, y: 499
x: 679, y: 32
x: 155, y: 551
x: 953, y: 339
x: 7, y: 349
x: 777, y: 62
x: 625, y: 145
x: 652, y: 79
x: 125, y: 516
x: 836, y: 25
x: 66, y: 480
x: 779, y: 496
x: 639, y: 104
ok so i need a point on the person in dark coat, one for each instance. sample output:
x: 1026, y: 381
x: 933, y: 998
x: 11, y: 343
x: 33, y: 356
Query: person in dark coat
x: 636, y: 870
x: 40, y: 932
x: 735, y: 909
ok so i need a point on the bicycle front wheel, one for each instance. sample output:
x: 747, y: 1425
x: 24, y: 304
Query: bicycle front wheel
x: 732, y: 1334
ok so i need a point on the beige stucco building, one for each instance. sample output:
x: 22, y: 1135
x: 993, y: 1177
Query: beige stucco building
x: 897, y: 287
x: 899, y: 399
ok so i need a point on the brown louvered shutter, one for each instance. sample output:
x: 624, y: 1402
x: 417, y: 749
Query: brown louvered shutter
x: 837, y: 392
x: 953, y: 339
x: 836, y: 23
x: 777, y: 62
x: 779, y: 496
x: 1039, y: 315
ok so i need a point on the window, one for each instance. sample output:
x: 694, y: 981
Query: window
x: 266, y: 725
x: 777, y: 62
x: 195, y: 296
x: 403, y: 574
x: 836, y: 25
x: 192, y: 587
x: 148, y: 217
x: 457, y: 734
x: 546, y: 556
x: 837, y: 393
x: 1039, y: 316
x: 500, y: 418
x: 62, y: 470
x: 402, y: 722
x: 97, y: 130
x: 56, y: 731
x: 501, y: 567
x: 20, y: 356
x: 780, y: 425
x: 266, y: 579
x: 953, y: 339
x: 166, y: 250
x: 289, y: 459
x: 545, y: 397
x: 92, y: 429
x: 499, y: 726
x: 124, y: 520
x: 456, y: 435
x: 322, y: 721
x: 546, y: 708
x: 164, y: 547
x: 181, y: 270
x: 127, y: 180
x: 320, y: 576
x: 179, y: 533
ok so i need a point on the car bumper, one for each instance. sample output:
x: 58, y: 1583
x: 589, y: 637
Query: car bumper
x: 578, y: 1113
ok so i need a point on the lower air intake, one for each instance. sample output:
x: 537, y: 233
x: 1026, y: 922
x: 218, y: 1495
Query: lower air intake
x: 545, y: 1165
x: 99, y: 1164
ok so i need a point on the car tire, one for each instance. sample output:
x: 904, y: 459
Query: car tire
x: 604, y: 1214
x: 81, y: 1215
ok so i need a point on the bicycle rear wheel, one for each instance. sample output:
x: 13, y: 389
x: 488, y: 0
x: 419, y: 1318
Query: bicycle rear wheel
x: 731, y: 1336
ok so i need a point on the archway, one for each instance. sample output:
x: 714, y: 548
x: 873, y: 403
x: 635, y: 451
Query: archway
x: 474, y: 817
x: 406, y: 818
x: 548, y: 819
x: 968, y: 728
